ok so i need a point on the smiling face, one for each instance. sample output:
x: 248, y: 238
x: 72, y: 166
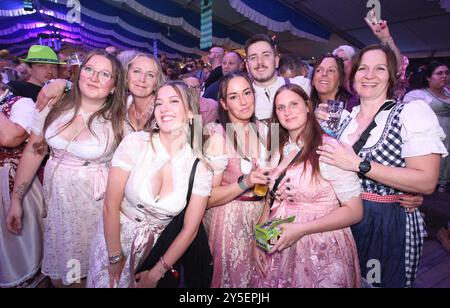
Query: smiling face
x: 97, y: 78
x: 326, y: 77
x: 371, y: 79
x: 262, y: 61
x: 291, y: 111
x: 239, y: 100
x: 142, y: 77
x: 171, y: 110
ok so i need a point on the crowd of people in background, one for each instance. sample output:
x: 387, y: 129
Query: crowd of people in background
x: 125, y: 164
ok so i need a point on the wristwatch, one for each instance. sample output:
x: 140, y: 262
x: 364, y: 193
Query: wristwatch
x: 364, y: 167
x: 115, y: 258
x: 67, y: 88
x: 242, y: 184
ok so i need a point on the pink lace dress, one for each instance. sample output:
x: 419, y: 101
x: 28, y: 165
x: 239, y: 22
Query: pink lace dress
x: 321, y: 260
x: 230, y: 229
x: 74, y: 183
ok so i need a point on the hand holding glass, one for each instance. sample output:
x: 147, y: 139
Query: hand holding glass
x: 334, y: 110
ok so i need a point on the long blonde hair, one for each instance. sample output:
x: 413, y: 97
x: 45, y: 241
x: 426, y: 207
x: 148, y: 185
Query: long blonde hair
x: 160, y: 78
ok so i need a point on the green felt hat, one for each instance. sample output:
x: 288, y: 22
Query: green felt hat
x: 42, y: 54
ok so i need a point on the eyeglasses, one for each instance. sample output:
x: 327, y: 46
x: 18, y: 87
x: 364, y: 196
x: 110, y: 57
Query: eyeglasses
x: 103, y: 76
x: 442, y: 73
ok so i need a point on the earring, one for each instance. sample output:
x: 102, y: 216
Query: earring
x: 190, y: 121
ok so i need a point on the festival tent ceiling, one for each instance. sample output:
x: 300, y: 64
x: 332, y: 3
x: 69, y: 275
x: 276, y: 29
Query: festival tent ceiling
x: 137, y: 24
x: 419, y: 27
x: 306, y: 27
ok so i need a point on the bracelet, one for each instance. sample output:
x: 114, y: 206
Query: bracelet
x: 68, y: 87
x: 242, y: 184
x: 116, y: 258
x: 173, y: 271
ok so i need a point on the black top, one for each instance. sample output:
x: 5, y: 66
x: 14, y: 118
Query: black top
x: 213, y: 91
x: 25, y: 89
x: 196, y: 262
x: 215, y: 75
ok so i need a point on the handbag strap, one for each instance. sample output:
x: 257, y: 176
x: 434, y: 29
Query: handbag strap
x: 280, y: 178
x: 191, y: 180
x: 45, y: 207
x: 366, y: 134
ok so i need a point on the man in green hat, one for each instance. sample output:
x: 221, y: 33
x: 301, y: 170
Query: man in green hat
x: 43, y: 62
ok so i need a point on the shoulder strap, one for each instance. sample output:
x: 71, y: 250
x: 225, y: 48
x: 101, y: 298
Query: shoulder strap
x: 191, y: 180
x: 287, y: 81
x: 279, y: 179
x: 366, y: 134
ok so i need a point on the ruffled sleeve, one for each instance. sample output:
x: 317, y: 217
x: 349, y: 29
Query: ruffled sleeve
x: 345, y: 184
x: 421, y: 132
x: 203, y: 181
x: 215, y: 149
x: 129, y: 150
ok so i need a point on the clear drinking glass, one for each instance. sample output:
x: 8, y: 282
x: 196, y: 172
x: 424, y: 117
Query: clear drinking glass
x: 264, y: 165
x: 334, y: 109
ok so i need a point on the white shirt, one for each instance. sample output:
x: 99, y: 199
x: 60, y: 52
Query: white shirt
x: 264, y: 96
x: 136, y: 155
x: 22, y: 113
x: 421, y: 133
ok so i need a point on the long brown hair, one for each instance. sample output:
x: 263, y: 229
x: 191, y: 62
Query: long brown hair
x: 311, y: 134
x: 112, y: 110
x: 224, y: 118
x: 342, y: 94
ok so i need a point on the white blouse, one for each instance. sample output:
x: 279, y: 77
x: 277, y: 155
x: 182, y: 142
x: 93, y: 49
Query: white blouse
x: 421, y: 133
x: 91, y: 148
x: 136, y: 155
x: 346, y: 184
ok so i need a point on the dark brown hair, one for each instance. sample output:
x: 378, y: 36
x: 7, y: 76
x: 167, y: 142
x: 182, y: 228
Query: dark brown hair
x: 224, y: 119
x: 342, y: 94
x: 112, y: 110
x: 223, y: 91
x: 260, y: 38
x: 391, y: 65
x: 312, y: 132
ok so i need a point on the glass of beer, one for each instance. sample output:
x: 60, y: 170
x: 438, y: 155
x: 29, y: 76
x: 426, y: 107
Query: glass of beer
x: 264, y: 165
